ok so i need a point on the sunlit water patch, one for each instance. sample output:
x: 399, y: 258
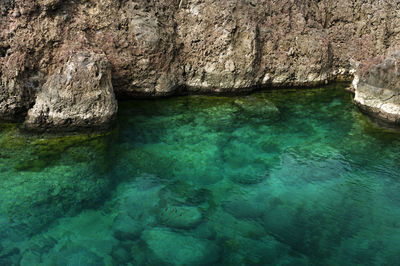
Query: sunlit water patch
x: 290, y: 177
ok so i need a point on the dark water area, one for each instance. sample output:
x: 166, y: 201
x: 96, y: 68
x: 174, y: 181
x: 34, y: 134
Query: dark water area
x: 287, y: 177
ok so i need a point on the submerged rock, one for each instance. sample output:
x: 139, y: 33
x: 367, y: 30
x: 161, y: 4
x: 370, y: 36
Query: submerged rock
x: 241, y: 177
x: 180, y: 216
x: 126, y: 228
x: 77, y: 255
x: 78, y: 96
x: 9, y: 255
x: 177, y: 249
x: 120, y: 256
x: 139, y: 200
x: 30, y: 258
x: 256, y: 105
x: 246, y: 206
x: 30, y: 201
x: 377, y: 89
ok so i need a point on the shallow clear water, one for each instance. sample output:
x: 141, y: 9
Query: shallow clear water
x: 290, y: 177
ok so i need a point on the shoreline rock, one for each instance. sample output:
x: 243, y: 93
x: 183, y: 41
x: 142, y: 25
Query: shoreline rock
x: 78, y: 96
x: 377, y: 89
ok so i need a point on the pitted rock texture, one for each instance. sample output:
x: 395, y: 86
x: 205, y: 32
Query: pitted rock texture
x: 78, y: 96
x: 158, y: 48
x: 377, y: 90
x: 15, y: 100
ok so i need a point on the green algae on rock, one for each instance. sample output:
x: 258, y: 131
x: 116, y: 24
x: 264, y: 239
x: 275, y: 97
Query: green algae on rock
x: 38, y: 152
x: 45, y: 177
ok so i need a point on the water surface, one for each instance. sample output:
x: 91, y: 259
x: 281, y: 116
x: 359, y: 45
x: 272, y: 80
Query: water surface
x: 288, y: 177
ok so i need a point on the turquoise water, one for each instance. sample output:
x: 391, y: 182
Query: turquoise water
x: 289, y: 177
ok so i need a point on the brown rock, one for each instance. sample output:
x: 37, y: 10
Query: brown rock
x: 377, y: 90
x: 16, y: 14
x: 78, y: 96
x: 49, y: 5
x: 15, y: 100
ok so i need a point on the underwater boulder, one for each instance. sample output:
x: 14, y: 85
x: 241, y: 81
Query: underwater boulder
x: 180, y: 192
x: 260, y: 251
x: 126, y: 228
x: 177, y: 249
x: 285, y: 226
x: 257, y: 105
x: 139, y: 199
x: 9, y: 255
x: 77, y: 256
x: 204, y: 230
x: 30, y: 258
x: 247, y: 206
x: 251, y: 177
x: 120, y: 256
x: 32, y: 200
x: 226, y: 225
x: 182, y: 217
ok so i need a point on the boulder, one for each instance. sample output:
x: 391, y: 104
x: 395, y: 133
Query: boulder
x: 175, y: 249
x: 76, y: 255
x: 248, y: 206
x: 126, y: 228
x: 377, y: 88
x: 79, y: 96
x: 182, y: 217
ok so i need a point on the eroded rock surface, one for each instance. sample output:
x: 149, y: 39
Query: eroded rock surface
x: 158, y: 48
x: 78, y: 96
x: 15, y: 100
x: 377, y: 89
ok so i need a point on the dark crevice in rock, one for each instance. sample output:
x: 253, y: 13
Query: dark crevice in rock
x: 4, y: 50
x: 183, y: 90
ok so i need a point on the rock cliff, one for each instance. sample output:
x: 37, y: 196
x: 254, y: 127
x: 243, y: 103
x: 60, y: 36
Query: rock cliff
x: 158, y: 48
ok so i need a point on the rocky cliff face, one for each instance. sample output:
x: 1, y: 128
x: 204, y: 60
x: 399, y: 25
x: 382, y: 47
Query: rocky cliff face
x: 158, y: 48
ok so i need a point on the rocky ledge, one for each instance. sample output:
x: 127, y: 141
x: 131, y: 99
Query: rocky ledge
x: 158, y: 48
x: 377, y: 89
